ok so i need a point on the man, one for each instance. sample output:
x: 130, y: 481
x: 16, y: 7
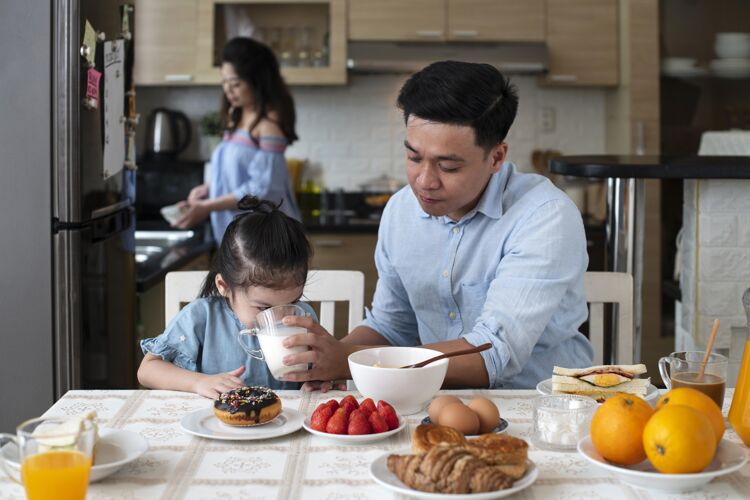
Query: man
x: 472, y: 251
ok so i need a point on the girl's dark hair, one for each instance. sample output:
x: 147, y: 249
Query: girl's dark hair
x: 261, y: 247
x: 462, y: 93
x: 255, y: 64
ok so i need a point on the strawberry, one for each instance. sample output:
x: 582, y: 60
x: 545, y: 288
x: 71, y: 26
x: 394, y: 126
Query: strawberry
x: 320, y: 418
x: 367, y: 406
x: 358, y: 424
x: 388, y: 413
x: 349, y: 400
x: 333, y: 404
x: 348, y: 405
x: 377, y: 423
x: 338, y: 422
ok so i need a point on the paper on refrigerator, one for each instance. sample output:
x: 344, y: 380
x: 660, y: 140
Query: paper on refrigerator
x: 114, y: 101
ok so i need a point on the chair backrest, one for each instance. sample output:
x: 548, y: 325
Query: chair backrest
x: 326, y: 287
x: 610, y: 288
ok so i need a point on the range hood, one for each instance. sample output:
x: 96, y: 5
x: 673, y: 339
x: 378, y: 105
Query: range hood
x: 391, y: 57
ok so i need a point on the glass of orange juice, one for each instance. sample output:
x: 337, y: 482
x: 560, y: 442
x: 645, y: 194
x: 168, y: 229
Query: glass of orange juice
x: 55, y: 454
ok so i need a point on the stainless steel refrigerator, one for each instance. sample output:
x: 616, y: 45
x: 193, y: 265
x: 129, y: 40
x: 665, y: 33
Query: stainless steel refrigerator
x: 67, y: 308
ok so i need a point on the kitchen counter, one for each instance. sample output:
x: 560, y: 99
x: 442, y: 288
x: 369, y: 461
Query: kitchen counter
x: 653, y: 167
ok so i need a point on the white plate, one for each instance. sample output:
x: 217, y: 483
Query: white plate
x: 729, y: 458
x: 686, y: 72
x: 380, y: 474
x: 204, y: 423
x: 500, y: 429
x: 355, y: 439
x: 652, y: 392
x: 115, y: 448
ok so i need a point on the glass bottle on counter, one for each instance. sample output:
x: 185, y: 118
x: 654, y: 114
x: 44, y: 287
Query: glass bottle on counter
x: 739, y: 412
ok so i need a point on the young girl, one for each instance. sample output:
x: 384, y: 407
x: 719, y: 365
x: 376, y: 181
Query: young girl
x: 262, y: 262
x: 258, y: 115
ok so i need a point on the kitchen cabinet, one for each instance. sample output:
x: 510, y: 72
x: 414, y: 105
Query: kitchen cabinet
x: 496, y: 20
x: 440, y: 20
x: 165, y: 41
x: 179, y: 42
x: 349, y: 251
x: 582, y: 39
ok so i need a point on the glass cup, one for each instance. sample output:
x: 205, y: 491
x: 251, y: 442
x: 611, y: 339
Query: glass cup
x: 271, y: 332
x: 561, y: 420
x: 55, y: 454
x: 682, y: 369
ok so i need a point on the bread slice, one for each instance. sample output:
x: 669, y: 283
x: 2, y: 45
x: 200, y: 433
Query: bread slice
x: 634, y: 370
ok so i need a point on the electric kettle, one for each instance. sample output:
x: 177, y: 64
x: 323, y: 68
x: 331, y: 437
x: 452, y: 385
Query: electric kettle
x: 168, y: 133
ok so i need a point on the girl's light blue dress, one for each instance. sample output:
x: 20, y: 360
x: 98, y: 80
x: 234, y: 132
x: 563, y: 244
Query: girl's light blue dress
x: 203, y: 338
x: 243, y: 165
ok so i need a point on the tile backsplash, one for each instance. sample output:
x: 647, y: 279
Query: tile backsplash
x: 351, y: 134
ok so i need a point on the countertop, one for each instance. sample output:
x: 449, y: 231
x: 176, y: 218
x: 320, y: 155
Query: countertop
x: 653, y: 167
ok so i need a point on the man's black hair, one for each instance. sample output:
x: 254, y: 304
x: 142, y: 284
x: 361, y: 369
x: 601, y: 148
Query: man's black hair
x: 462, y: 93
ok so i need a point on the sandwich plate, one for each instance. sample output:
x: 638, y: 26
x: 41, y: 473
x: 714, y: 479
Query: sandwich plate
x: 729, y: 458
x: 355, y: 439
x: 380, y: 474
x: 652, y: 393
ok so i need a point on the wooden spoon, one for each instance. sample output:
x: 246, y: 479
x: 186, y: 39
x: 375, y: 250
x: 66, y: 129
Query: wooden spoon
x: 714, y: 331
x: 473, y: 350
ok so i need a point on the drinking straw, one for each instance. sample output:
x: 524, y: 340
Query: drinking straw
x: 714, y: 331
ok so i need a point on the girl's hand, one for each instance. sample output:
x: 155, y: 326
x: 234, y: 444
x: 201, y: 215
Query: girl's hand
x: 197, y: 194
x: 211, y: 386
x: 194, y: 215
x: 327, y: 355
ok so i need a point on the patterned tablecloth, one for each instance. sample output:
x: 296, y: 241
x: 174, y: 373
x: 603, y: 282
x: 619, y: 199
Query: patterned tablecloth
x: 302, y: 466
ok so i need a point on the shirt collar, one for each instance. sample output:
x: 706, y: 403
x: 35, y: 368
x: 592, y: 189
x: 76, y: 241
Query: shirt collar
x: 491, y: 202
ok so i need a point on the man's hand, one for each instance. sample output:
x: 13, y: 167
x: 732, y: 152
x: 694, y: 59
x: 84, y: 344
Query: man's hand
x: 197, y: 194
x: 193, y: 214
x: 211, y: 386
x: 327, y: 355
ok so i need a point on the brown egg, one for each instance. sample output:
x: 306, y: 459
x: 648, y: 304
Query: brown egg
x: 438, y: 404
x: 460, y: 417
x: 486, y: 410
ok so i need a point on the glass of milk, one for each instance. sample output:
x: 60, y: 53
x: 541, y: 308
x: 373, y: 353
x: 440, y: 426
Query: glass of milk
x: 271, y: 332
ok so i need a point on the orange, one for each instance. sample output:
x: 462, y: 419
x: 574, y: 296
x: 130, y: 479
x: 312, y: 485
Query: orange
x: 695, y: 399
x: 617, y: 429
x: 679, y: 439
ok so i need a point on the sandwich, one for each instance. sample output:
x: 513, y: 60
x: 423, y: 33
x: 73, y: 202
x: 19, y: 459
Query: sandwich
x: 600, y: 382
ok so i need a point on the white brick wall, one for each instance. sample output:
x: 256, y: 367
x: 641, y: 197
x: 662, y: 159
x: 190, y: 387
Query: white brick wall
x: 353, y: 133
x: 715, y: 259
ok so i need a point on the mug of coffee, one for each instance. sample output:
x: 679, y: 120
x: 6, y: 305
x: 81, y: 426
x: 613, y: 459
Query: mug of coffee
x: 682, y: 369
x: 271, y: 332
x: 54, y: 455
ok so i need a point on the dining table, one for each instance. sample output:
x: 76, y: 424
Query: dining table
x: 178, y: 465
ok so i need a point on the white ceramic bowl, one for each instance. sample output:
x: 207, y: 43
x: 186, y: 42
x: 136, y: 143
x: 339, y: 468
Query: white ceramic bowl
x: 407, y: 390
x: 732, y: 51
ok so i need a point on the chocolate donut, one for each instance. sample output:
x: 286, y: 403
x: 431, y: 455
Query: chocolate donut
x: 247, y: 406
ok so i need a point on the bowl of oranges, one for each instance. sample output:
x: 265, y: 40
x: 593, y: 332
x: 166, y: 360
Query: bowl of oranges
x: 675, y: 447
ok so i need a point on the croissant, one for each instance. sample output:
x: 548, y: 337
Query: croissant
x: 428, y: 435
x: 448, y: 468
x: 499, y: 449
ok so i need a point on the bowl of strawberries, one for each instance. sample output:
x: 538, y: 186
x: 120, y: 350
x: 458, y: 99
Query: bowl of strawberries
x: 350, y: 421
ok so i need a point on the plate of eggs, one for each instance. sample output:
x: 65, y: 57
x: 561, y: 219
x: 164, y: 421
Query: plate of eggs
x: 478, y: 416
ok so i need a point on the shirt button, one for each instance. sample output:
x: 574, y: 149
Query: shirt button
x: 445, y: 274
x: 456, y: 230
x: 452, y: 315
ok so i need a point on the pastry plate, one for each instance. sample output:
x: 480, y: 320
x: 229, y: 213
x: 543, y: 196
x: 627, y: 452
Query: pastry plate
x: 204, y: 423
x: 729, y: 458
x: 380, y: 474
x: 652, y: 392
x: 115, y: 448
x: 355, y: 439
x: 500, y: 429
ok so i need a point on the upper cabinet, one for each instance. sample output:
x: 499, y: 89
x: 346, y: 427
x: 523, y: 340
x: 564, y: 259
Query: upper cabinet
x: 440, y: 20
x: 396, y: 20
x: 307, y: 36
x: 582, y: 42
x: 165, y: 41
x: 496, y: 20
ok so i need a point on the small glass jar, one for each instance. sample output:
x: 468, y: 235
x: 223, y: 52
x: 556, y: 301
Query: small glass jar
x: 561, y: 420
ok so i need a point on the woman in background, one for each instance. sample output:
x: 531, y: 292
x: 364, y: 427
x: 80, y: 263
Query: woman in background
x: 258, y: 117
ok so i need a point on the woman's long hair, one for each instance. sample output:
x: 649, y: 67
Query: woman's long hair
x: 255, y: 64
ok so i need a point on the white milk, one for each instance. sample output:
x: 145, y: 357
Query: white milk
x: 274, y: 352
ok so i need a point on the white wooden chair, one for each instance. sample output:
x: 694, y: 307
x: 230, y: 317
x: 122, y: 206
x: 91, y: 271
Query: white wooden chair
x: 326, y: 287
x: 610, y: 288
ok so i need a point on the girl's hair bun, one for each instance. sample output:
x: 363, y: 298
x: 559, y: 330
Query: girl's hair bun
x: 251, y: 204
